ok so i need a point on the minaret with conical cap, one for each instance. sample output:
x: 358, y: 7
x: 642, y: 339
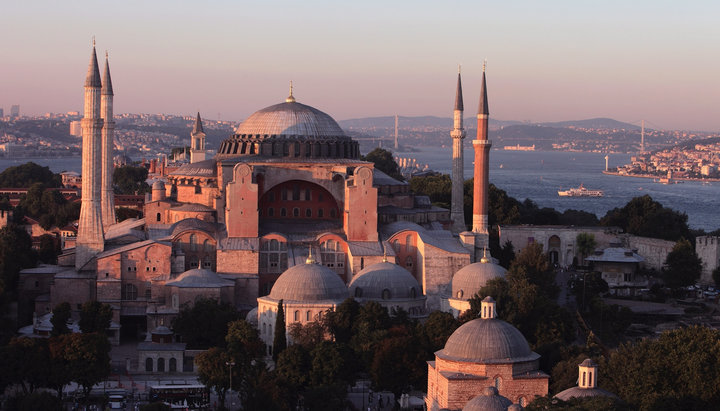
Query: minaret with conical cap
x: 197, y: 141
x: 457, y: 213
x: 108, y: 134
x: 482, y: 145
x: 90, y: 239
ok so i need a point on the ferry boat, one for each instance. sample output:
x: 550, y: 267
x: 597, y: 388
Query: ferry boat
x: 580, y: 192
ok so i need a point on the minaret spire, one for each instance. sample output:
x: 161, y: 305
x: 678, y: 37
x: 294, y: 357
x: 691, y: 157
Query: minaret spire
x: 108, y: 135
x: 481, y: 172
x: 197, y: 141
x: 457, y: 213
x: 90, y: 239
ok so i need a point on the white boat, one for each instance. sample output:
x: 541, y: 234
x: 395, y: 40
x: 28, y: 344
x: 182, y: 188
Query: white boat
x: 580, y: 192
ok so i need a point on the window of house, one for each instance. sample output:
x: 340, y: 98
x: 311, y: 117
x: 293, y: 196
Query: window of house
x: 172, y: 365
x: 308, y: 213
x: 161, y: 365
x: 296, y: 212
x: 283, y: 212
x: 148, y: 364
x: 271, y: 212
x: 320, y: 213
x: 157, y: 217
x: 130, y: 291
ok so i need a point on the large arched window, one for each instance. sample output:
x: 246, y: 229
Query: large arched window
x: 193, y: 242
x: 149, y: 364
x: 161, y: 364
x: 273, y: 256
x: 130, y: 292
x: 333, y: 256
x: 172, y: 365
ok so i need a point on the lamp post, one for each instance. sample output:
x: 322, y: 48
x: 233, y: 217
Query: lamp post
x: 230, y: 364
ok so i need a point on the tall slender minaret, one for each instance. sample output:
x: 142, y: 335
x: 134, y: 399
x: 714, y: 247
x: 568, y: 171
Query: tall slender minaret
x: 397, y: 144
x: 197, y: 141
x: 482, y: 145
x: 457, y: 212
x: 108, y: 134
x: 90, y: 239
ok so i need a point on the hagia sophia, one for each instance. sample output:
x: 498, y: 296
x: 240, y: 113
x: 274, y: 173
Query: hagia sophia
x: 286, y: 210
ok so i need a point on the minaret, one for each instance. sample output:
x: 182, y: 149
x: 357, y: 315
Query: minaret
x: 197, y: 141
x: 90, y: 240
x: 482, y: 145
x: 457, y: 212
x: 108, y: 134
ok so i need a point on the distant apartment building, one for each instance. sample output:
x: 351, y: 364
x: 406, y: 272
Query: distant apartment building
x: 14, y: 111
x: 75, y: 128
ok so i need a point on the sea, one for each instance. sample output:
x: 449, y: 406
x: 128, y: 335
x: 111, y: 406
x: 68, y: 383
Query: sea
x: 538, y: 175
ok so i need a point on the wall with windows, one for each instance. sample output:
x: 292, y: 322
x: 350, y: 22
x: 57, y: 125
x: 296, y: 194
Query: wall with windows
x: 298, y: 199
x: 197, y: 246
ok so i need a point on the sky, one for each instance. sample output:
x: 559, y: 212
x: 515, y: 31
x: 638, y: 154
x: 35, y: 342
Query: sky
x: 656, y: 60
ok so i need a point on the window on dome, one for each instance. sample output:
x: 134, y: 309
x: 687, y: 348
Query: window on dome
x: 307, y: 194
x: 386, y: 294
x: 358, y: 292
x: 413, y: 292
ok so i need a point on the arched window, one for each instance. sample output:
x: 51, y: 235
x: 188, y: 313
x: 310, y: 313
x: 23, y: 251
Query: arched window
x: 157, y: 217
x: 498, y: 382
x: 332, y: 213
x: 408, y: 243
x: 172, y: 365
x: 193, y: 242
x: 409, y: 263
x: 320, y: 213
x: 283, y: 212
x: 273, y: 256
x: 308, y: 212
x: 308, y: 315
x: 130, y: 292
x: 149, y: 364
x: 207, y: 246
x: 386, y: 294
x: 271, y: 212
x: 296, y: 212
x: 413, y: 292
x: 161, y: 365
x: 297, y: 315
x: 333, y: 256
x: 362, y: 263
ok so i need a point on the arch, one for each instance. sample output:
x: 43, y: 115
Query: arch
x: 161, y: 364
x: 193, y: 242
x: 172, y: 365
x: 299, y: 197
x: 157, y: 217
x: 554, y: 248
x: 130, y: 292
x: 296, y: 316
x: 308, y: 315
x: 148, y: 364
x: 273, y: 254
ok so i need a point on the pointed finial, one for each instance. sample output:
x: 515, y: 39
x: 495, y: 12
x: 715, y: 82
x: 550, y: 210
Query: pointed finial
x: 384, y: 255
x: 290, y: 98
x: 484, y: 64
x: 484, y: 258
x: 459, y: 69
x: 93, y: 41
x: 310, y: 259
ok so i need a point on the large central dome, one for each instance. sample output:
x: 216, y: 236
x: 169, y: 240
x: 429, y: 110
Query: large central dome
x: 289, y: 129
x: 291, y: 118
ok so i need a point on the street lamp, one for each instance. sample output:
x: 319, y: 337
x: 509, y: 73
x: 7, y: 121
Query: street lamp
x: 230, y: 364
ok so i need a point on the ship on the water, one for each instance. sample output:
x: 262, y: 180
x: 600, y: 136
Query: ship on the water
x: 518, y: 147
x: 580, y: 192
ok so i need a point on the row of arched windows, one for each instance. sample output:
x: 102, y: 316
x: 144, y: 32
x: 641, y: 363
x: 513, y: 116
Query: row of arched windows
x: 296, y: 212
x: 172, y: 365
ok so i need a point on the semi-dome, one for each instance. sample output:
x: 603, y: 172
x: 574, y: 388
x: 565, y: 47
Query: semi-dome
x: 385, y: 281
x: 489, y: 400
x: 289, y: 129
x: 471, y: 278
x: 309, y: 282
x: 487, y: 340
x: 199, y: 278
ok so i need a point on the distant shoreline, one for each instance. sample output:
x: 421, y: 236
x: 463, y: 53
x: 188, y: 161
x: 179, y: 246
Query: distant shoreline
x: 615, y: 173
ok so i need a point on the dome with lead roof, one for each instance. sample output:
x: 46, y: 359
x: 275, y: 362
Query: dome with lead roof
x: 489, y: 400
x: 385, y: 281
x: 309, y: 282
x: 471, y: 278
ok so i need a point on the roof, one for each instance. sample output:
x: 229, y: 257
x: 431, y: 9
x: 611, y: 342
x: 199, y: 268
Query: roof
x: 376, y: 278
x: 471, y: 278
x: 107, y: 88
x: 382, y: 179
x: 192, y: 224
x: 483, y: 105
x: 291, y: 119
x: 199, y: 278
x: 577, y: 392
x: 489, y: 400
x: 309, y: 282
x: 441, y: 239
x: 489, y: 340
x: 369, y: 248
x: 458, y: 95
x: 616, y: 255
x: 129, y: 247
x: 192, y: 207
x: 43, y: 269
x: 205, y: 168
x: 198, y: 127
x: 93, y: 75
x: 152, y: 346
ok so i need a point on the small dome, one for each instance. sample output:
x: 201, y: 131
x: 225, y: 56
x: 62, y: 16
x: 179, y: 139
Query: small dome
x: 251, y: 317
x: 309, y: 282
x: 158, y: 185
x: 385, y: 281
x: 161, y: 330
x: 577, y: 392
x: 471, y: 278
x: 487, y: 341
x: 489, y: 400
x: 199, y: 278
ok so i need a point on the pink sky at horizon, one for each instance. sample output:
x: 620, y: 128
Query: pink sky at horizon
x: 547, y: 61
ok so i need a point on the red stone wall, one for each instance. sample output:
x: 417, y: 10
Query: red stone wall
x: 360, y: 215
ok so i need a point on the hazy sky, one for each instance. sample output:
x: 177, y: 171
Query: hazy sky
x: 547, y: 60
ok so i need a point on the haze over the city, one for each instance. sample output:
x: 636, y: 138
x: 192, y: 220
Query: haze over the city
x: 547, y: 61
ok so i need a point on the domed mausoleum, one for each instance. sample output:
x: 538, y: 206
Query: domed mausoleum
x: 391, y: 286
x: 485, y: 351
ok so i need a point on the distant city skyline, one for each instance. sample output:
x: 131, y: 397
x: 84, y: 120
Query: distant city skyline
x: 547, y: 61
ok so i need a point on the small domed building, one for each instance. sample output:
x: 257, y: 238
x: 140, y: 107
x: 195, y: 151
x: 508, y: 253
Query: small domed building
x: 198, y: 283
x: 391, y: 286
x: 587, y: 383
x: 485, y: 351
x: 489, y: 400
x: 306, y: 290
x: 468, y: 281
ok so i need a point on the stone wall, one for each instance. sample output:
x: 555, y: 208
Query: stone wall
x: 708, y: 249
x: 654, y: 250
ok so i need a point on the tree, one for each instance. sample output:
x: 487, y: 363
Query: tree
x: 680, y: 370
x: 435, y: 331
x: 279, y: 338
x: 437, y: 187
x: 130, y: 180
x: 683, y: 265
x: 27, y: 174
x: 532, y: 263
x: 86, y: 357
x: 213, y: 371
x: 204, y: 324
x: 384, y: 162
x: 61, y: 316
x: 49, y: 249
x: 398, y: 362
x: 716, y: 276
x: 308, y: 335
x: 16, y: 253
x: 645, y: 217
x: 585, y: 243
x: 340, y: 322
x: 95, y: 317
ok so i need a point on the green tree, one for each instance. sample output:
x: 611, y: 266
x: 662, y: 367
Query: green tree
x: 645, y: 217
x: 155, y: 406
x: 399, y: 362
x: 680, y: 370
x: 308, y: 335
x: 435, y: 331
x: 585, y: 243
x: 61, y: 316
x: 279, y: 337
x: 716, y: 276
x: 16, y: 253
x: 130, y: 180
x: 294, y: 364
x: 213, y: 371
x: 340, y: 322
x: 384, y: 162
x: 49, y: 249
x: 27, y: 174
x: 35, y: 401
x: 532, y: 264
x: 95, y: 317
x: 437, y: 187
x: 683, y: 266
x: 86, y: 357
x: 204, y: 324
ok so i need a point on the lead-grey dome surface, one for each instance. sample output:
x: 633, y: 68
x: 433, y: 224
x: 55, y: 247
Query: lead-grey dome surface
x: 471, y: 278
x: 376, y: 278
x: 577, y: 392
x: 199, y: 278
x: 489, y: 400
x: 309, y: 282
x: 291, y: 118
x: 487, y: 341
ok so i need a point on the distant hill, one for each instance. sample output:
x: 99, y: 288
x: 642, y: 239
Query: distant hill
x: 600, y: 122
x: 413, y: 122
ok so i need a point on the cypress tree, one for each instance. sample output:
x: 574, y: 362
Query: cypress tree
x: 279, y: 339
